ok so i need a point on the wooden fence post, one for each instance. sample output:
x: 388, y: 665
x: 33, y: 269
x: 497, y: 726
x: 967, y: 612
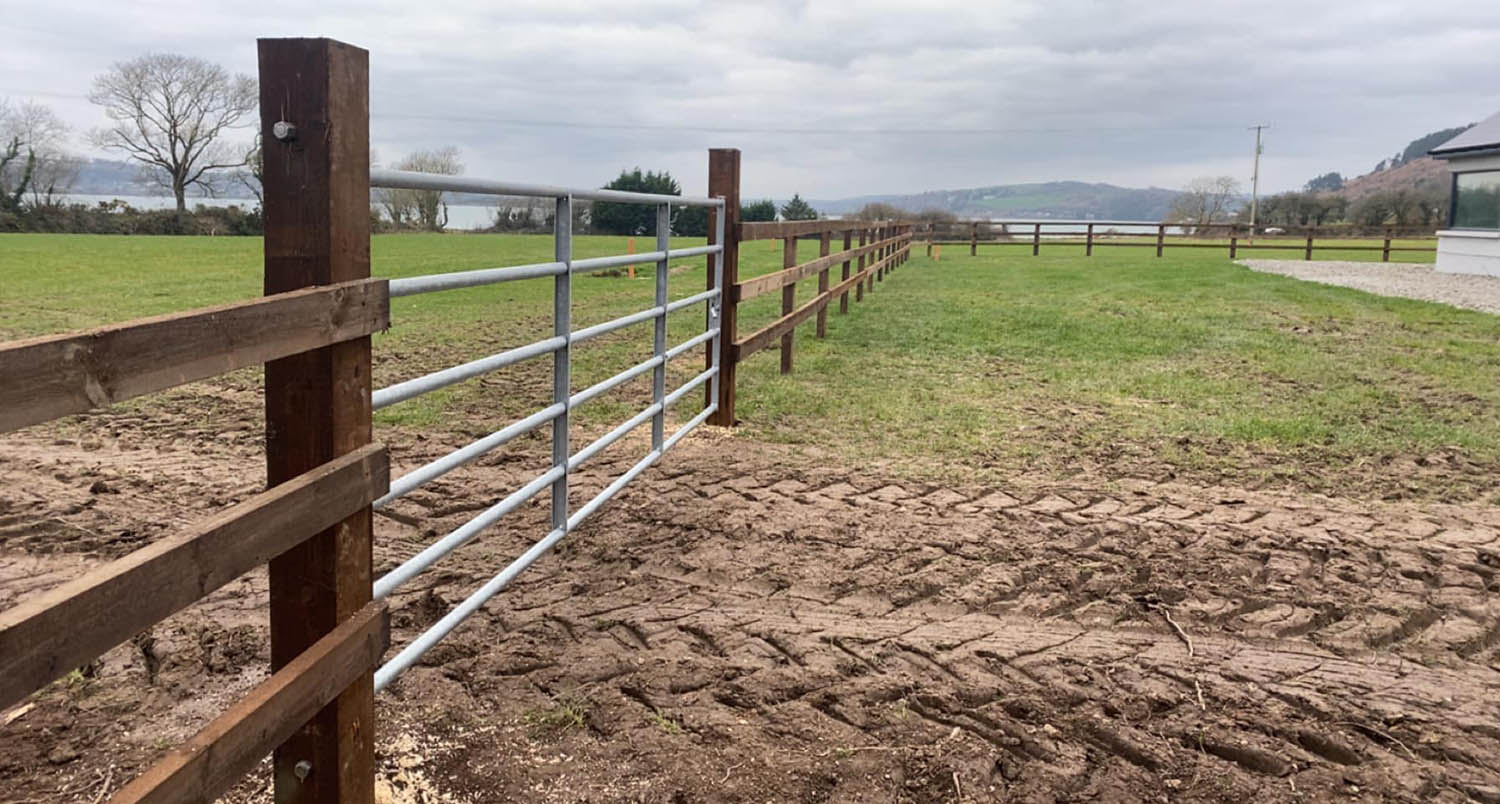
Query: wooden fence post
x: 973, y: 238
x: 844, y: 273
x: 724, y: 182
x: 1307, y: 255
x: 317, y: 232
x: 1088, y: 243
x: 1234, y: 244
x: 859, y: 287
x: 823, y: 250
x: 1036, y: 240
x: 788, y: 300
x: 1161, y: 237
x: 1385, y: 250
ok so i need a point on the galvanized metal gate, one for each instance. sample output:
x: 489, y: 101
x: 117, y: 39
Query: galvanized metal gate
x: 559, y: 345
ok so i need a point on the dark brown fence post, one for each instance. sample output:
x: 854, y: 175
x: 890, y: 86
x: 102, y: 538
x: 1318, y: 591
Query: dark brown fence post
x: 1161, y: 237
x: 973, y: 238
x: 788, y: 301
x: 880, y: 255
x: 823, y: 251
x: 1036, y: 240
x: 1234, y: 244
x: 844, y: 272
x: 1385, y: 250
x: 859, y: 287
x: 724, y: 182
x: 315, y: 127
x: 931, y: 233
x: 1307, y: 255
x: 1088, y: 243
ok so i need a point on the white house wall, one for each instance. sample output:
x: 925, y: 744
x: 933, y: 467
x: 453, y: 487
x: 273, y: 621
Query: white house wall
x: 1470, y: 251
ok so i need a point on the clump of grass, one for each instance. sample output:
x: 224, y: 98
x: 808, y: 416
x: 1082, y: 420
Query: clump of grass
x: 565, y: 713
x: 666, y: 724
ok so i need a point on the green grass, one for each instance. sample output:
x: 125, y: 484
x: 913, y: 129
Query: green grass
x: 971, y: 368
x: 1187, y: 365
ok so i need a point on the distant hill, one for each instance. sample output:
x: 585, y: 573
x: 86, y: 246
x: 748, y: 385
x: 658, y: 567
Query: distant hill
x: 1421, y: 176
x: 113, y: 177
x: 1055, y: 199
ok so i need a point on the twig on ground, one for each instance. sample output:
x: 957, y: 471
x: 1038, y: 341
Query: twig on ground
x: 1199, y: 688
x: 104, y: 789
x: 730, y: 770
x: 1167, y: 613
x: 1379, y: 733
x: 958, y: 792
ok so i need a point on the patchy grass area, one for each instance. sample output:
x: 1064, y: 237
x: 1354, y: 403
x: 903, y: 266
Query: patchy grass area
x: 1118, y: 365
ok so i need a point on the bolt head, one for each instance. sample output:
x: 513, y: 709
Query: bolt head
x: 301, y: 769
x: 283, y: 131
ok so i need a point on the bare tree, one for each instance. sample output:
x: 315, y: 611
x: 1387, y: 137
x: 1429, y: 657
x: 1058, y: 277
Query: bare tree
x: 422, y: 209
x: 171, y: 113
x: 38, y: 133
x: 252, y: 172
x: 1206, y: 199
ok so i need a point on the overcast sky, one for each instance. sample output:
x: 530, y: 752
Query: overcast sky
x: 839, y: 98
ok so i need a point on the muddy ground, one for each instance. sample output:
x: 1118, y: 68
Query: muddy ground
x: 749, y: 624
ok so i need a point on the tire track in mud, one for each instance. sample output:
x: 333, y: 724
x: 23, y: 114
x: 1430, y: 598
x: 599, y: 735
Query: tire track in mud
x: 804, y: 632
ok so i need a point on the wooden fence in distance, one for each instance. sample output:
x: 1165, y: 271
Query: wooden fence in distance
x: 870, y: 250
x: 1232, y: 237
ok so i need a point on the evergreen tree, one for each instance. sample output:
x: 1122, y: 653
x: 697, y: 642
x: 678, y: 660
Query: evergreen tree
x: 634, y: 219
x: 798, y: 210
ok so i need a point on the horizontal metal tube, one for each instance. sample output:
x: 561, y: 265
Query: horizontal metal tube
x: 695, y: 251
x: 600, y: 263
x: 692, y: 300
x: 414, y: 651
x: 690, y: 385
x: 412, y: 480
x: 621, y: 322
x: 624, y: 376
x: 612, y: 489
x: 388, y: 582
x: 412, y: 285
x: 612, y: 436
x: 407, y: 180
x: 687, y: 428
x: 690, y: 343
x: 403, y: 391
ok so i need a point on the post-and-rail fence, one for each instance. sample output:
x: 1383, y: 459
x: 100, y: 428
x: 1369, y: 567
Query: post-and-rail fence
x: 1232, y: 238
x: 312, y: 329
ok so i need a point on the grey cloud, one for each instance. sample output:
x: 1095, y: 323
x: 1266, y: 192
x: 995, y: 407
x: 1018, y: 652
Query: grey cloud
x: 919, y: 96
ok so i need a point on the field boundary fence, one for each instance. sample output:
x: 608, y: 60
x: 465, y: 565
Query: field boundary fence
x: 1231, y: 238
x: 870, y: 251
x: 326, y: 475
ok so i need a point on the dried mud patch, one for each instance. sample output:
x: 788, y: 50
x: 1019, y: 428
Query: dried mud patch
x: 744, y: 624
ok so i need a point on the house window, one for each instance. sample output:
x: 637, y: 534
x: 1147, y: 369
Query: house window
x: 1476, y: 200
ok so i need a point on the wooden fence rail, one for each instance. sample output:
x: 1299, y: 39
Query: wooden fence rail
x: 882, y: 246
x: 1067, y: 233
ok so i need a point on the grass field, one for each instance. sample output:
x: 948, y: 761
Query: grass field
x: 1122, y: 364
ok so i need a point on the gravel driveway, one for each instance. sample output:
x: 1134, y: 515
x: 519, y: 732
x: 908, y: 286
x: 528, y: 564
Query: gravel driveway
x: 1393, y: 279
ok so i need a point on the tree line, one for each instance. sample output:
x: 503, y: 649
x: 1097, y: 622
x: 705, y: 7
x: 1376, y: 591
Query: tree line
x: 1321, y: 201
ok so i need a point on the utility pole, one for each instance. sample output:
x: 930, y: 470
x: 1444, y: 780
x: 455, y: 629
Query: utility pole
x: 1255, y: 181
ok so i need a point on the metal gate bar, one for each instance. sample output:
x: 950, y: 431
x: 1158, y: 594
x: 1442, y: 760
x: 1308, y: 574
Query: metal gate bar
x: 564, y: 462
